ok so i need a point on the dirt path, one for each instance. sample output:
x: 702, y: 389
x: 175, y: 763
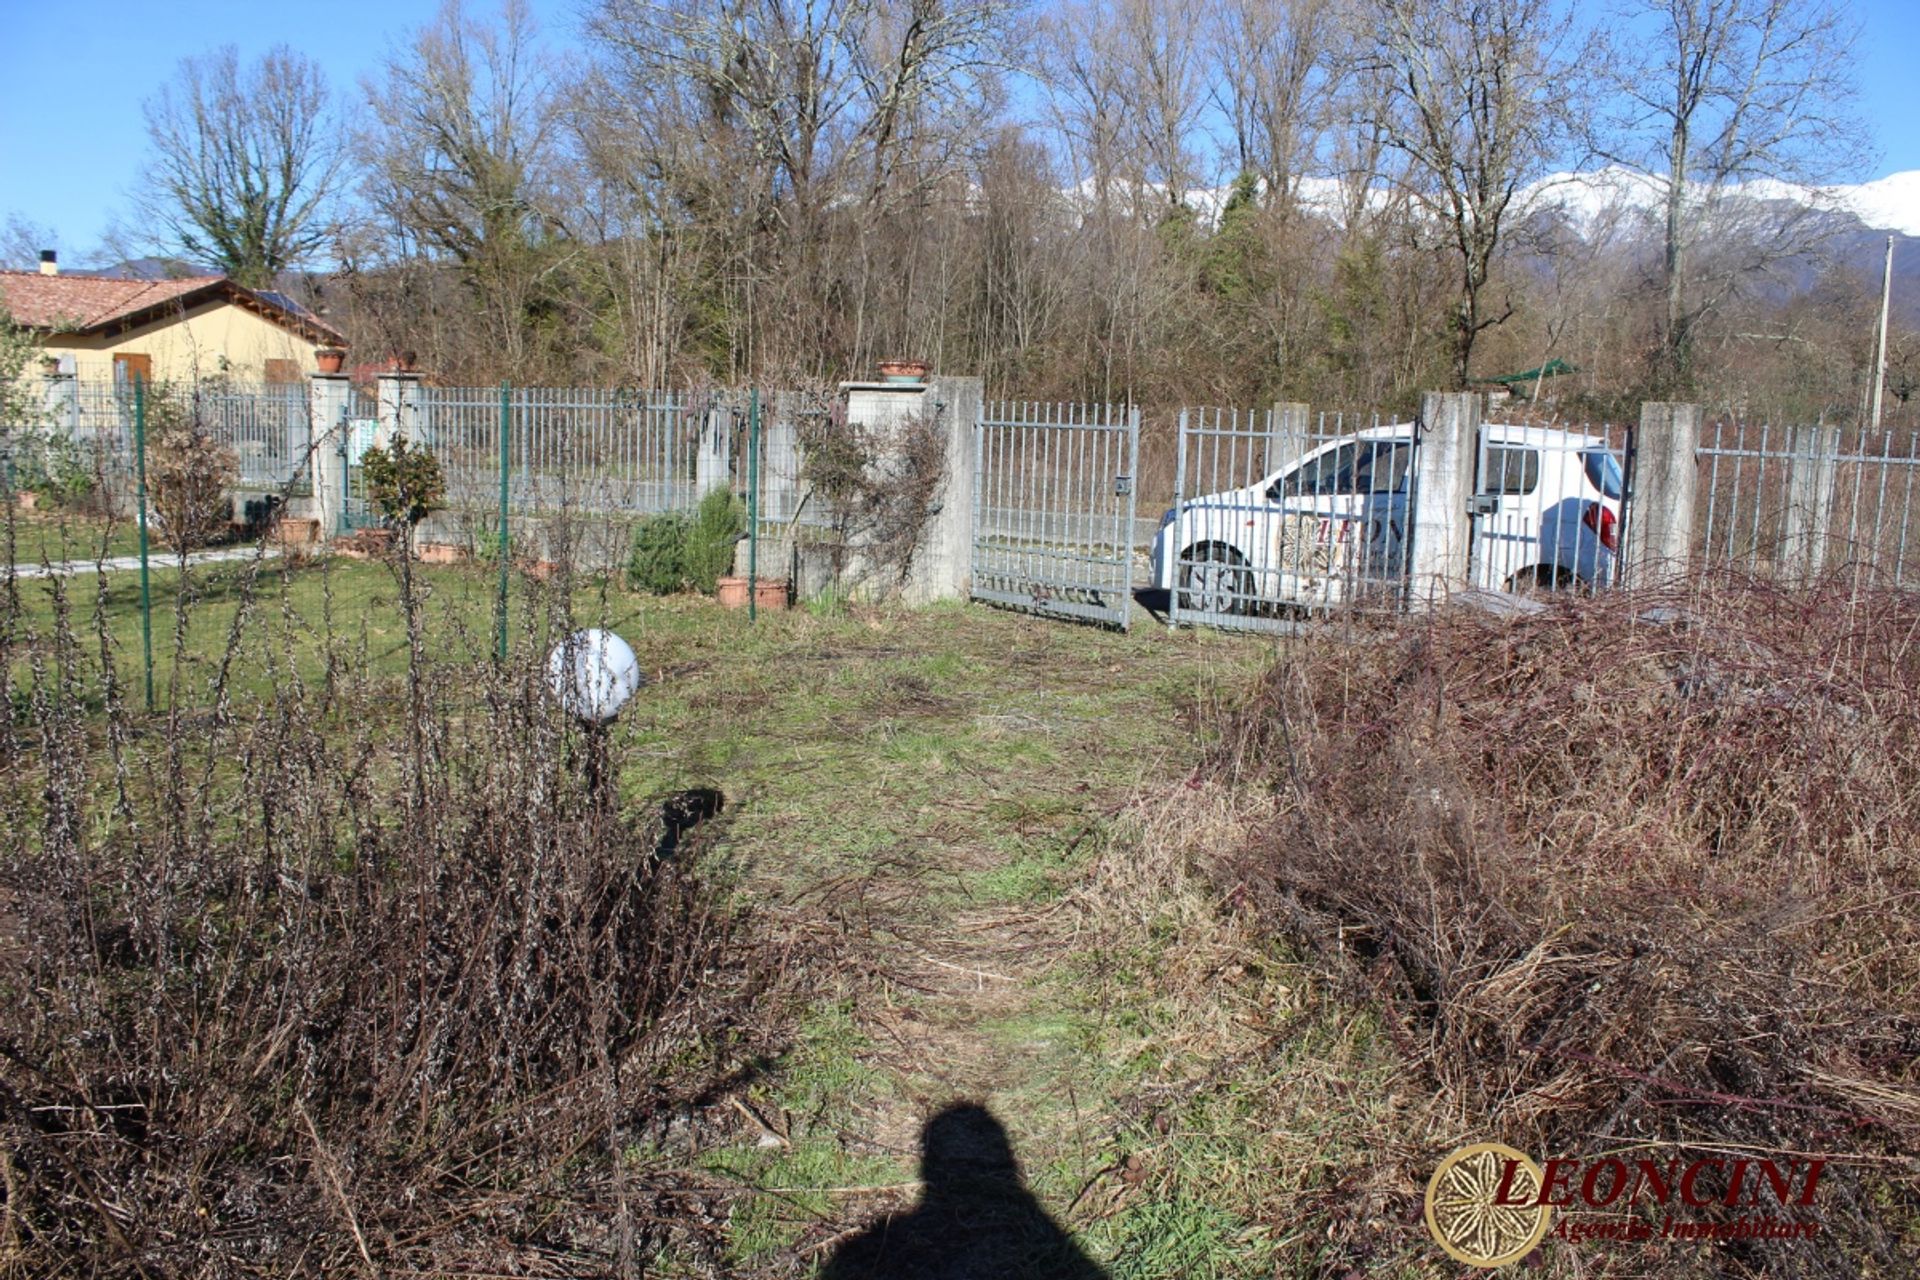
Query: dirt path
x: 925, y: 803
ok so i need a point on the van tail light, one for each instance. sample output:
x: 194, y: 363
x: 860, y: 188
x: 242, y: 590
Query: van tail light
x: 1603, y: 522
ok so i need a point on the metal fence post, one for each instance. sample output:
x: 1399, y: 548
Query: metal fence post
x: 146, y: 592
x: 1171, y: 554
x: 506, y: 444
x: 753, y: 505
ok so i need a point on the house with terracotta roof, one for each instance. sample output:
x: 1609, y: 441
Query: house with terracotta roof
x: 167, y: 331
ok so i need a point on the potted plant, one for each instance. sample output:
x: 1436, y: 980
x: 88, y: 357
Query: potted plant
x: 330, y: 359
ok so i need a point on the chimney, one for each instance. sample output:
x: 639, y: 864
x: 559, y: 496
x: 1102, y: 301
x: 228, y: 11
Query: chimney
x: 49, y: 263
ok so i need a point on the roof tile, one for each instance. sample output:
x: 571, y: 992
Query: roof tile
x: 78, y: 304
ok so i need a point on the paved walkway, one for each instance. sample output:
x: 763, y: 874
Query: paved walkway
x: 115, y: 564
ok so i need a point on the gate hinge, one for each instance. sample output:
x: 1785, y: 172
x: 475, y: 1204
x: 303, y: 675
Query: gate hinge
x: 1122, y: 486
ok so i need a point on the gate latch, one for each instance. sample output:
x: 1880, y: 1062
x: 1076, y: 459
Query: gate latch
x: 1122, y: 486
x: 1484, y: 504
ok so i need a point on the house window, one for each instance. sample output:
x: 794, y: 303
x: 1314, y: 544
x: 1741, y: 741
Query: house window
x: 282, y: 372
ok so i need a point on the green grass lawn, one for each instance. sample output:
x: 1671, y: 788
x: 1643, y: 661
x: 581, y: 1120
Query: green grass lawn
x: 54, y: 536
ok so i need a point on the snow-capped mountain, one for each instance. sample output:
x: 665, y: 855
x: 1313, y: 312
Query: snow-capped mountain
x: 1588, y: 200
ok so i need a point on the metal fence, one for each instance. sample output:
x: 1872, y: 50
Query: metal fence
x: 269, y: 429
x: 635, y: 452
x: 1054, y: 509
x: 1796, y: 503
x: 1277, y: 517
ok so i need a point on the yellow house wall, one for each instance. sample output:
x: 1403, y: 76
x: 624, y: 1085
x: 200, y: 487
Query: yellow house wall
x: 214, y: 339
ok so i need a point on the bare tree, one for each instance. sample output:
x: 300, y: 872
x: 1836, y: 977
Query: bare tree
x: 461, y: 159
x: 246, y: 160
x: 827, y: 96
x: 1713, y: 94
x: 1475, y: 95
x: 1274, y: 69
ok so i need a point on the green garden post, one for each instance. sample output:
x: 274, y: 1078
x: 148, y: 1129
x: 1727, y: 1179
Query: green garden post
x: 753, y: 506
x: 146, y: 590
x: 506, y: 444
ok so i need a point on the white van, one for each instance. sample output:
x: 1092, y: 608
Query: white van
x: 1335, y: 522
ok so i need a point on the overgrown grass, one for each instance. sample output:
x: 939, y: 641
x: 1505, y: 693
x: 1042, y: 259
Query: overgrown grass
x: 1613, y: 879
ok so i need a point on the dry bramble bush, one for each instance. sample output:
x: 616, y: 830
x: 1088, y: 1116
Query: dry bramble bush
x: 1619, y: 881
x: 331, y: 982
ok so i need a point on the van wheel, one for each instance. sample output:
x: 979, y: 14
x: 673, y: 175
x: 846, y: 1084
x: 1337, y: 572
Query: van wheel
x: 1216, y: 581
x: 1543, y: 579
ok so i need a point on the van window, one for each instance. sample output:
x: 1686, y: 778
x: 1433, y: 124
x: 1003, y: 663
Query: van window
x: 1603, y: 473
x: 1366, y: 466
x: 1382, y: 467
x: 1511, y: 469
x: 1321, y: 475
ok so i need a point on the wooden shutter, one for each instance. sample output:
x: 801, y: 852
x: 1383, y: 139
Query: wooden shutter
x: 128, y: 365
x: 282, y: 372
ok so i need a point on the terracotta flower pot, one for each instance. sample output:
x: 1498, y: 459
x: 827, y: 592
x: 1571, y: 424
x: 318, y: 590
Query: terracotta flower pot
x: 904, y: 370
x: 731, y: 592
x: 330, y: 359
x: 770, y: 595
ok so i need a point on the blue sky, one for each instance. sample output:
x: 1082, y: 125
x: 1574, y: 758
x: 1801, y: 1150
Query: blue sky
x: 72, y: 77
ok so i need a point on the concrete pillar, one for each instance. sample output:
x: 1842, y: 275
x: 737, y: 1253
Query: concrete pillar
x: 1443, y: 488
x: 1287, y: 428
x: 1659, y: 512
x: 942, y: 560
x: 943, y: 566
x: 713, y: 464
x: 329, y: 402
x: 398, y: 406
x: 1803, y: 541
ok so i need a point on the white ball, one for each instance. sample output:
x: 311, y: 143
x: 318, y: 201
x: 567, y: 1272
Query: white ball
x: 593, y: 673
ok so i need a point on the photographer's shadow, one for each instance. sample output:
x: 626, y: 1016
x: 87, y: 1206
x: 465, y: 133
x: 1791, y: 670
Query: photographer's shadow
x: 975, y: 1218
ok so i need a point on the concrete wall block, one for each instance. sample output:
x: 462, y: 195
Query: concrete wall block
x: 1660, y: 511
x: 713, y: 464
x: 397, y: 403
x: 1288, y: 426
x: 942, y: 561
x: 1443, y: 488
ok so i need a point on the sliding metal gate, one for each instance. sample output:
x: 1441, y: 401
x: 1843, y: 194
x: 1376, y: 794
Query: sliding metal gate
x: 1053, y: 508
x: 1278, y: 519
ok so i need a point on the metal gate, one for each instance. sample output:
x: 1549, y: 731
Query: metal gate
x: 1276, y: 518
x: 1053, y: 509
x: 1548, y: 508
